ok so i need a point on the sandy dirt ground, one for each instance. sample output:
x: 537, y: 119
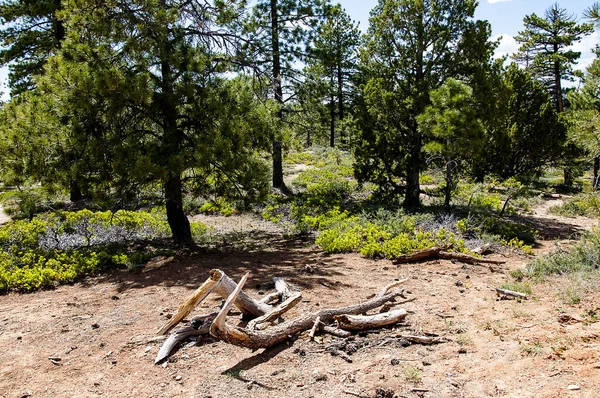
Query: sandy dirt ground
x: 4, y: 218
x: 92, y: 338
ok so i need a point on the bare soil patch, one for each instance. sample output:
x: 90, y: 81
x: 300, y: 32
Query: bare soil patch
x: 95, y: 334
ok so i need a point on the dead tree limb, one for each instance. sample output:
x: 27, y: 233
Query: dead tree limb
x: 441, y: 252
x: 366, y: 322
x: 246, y: 304
x: 511, y: 293
x: 184, y: 309
x: 275, y: 312
x: 266, y: 338
x: 174, y: 339
x: 199, y: 325
x: 422, y: 339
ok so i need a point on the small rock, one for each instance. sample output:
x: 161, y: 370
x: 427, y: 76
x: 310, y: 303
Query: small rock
x: 319, y: 376
x: 395, y: 362
x: 115, y: 298
x: 597, y: 366
x: 461, y: 290
x: 462, y: 350
x: 95, y: 326
x: 459, y: 283
x: 178, y: 378
x: 148, y: 348
x: 425, y: 363
x: 573, y: 387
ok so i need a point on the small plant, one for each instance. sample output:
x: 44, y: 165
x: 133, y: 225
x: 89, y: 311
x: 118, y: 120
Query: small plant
x: 533, y: 349
x: 464, y: 340
x: 413, y: 374
x: 520, y: 287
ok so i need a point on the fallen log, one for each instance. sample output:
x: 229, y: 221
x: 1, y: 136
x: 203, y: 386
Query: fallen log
x: 199, y: 325
x: 184, y: 309
x: 255, y: 339
x: 511, y: 293
x: 441, y: 252
x: 366, y: 322
x: 275, y: 312
x: 219, y: 283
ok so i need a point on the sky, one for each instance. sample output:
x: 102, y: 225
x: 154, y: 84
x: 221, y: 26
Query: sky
x: 505, y: 16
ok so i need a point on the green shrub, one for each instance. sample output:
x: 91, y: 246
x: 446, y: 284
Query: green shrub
x: 587, y: 205
x: 583, y: 258
x: 219, y: 206
x: 61, y: 247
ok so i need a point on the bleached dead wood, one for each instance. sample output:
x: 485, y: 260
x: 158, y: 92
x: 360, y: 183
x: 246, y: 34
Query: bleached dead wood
x: 421, y: 339
x: 313, y: 330
x: 366, y: 322
x: 184, y: 309
x: 174, y: 339
x: 335, y: 331
x: 439, y: 252
x: 275, y: 312
x: 511, y: 293
x: 266, y: 338
x: 246, y: 304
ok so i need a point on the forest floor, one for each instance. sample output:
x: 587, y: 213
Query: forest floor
x: 91, y: 338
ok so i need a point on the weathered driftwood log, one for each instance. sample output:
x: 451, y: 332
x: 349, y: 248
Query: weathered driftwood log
x: 440, y: 252
x: 191, y: 303
x: 199, y: 325
x: 422, y: 339
x: 419, y: 256
x: 219, y: 283
x: 262, y: 339
x: 465, y: 258
x: 335, y: 331
x: 511, y: 293
x: 246, y: 304
x: 366, y: 322
x: 275, y: 312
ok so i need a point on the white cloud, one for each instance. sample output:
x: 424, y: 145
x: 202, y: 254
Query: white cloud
x: 586, y: 47
x: 508, y: 45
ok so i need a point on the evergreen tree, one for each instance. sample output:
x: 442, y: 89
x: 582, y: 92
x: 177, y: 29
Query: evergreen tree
x: 412, y: 47
x: 584, y: 116
x: 455, y: 133
x: 529, y: 134
x: 143, y: 99
x: 31, y: 32
x: 547, y: 42
x: 279, y: 31
x: 334, y: 58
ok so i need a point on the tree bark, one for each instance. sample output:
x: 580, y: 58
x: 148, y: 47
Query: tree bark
x: 448, y: 188
x: 277, y: 155
x: 596, y: 168
x: 75, y: 193
x: 412, y: 199
x: 332, y: 115
x: 178, y: 221
x: 340, y: 94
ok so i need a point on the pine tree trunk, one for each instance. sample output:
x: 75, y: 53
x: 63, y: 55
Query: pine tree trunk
x: 448, y: 188
x: 332, y: 115
x: 178, y: 221
x: 413, y: 170
x: 340, y: 94
x: 596, y: 169
x: 568, y: 179
x: 75, y: 193
x: 277, y: 151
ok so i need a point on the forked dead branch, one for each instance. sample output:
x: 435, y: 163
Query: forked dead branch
x: 263, y: 331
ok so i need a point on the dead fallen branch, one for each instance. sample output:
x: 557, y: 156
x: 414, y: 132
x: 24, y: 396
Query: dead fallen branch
x: 422, y: 339
x: 441, y: 252
x: 366, y: 322
x: 261, y: 332
x: 504, y: 292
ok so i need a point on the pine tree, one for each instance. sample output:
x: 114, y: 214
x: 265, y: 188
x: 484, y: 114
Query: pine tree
x: 279, y: 31
x: 32, y: 32
x: 412, y: 47
x: 335, y: 59
x: 547, y: 41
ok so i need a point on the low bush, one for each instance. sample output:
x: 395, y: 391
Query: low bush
x: 582, y: 259
x: 61, y: 247
x: 587, y: 205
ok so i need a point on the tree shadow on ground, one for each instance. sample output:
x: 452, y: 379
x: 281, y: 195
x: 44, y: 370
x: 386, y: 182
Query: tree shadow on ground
x: 550, y: 229
x: 299, y: 262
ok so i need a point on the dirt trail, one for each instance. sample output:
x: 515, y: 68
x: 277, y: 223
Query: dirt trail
x: 4, y: 218
x: 496, y: 348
